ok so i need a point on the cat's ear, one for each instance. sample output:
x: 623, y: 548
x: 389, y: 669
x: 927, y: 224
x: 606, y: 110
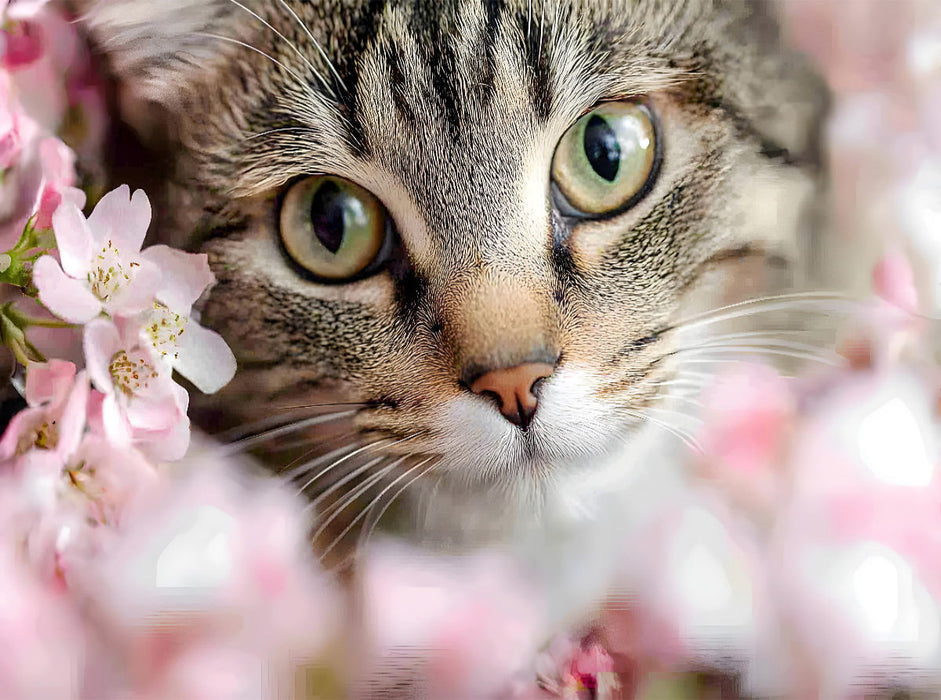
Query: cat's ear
x: 151, y: 42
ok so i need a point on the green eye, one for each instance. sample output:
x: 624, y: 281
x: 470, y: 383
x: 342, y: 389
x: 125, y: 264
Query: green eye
x: 607, y: 158
x: 331, y: 227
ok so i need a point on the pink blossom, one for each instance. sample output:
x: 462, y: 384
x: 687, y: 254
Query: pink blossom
x: 210, y: 591
x: 747, y: 418
x: 452, y: 626
x: 55, y: 417
x: 101, y: 266
x: 199, y: 354
x: 141, y: 402
x: 58, y: 176
x: 40, y: 635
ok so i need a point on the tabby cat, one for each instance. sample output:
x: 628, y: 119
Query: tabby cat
x: 455, y: 239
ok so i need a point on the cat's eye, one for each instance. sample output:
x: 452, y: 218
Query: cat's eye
x: 332, y: 228
x: 607, y: 160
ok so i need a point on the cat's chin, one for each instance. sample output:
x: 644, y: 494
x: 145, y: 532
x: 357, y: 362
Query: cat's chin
x: 571, y: 429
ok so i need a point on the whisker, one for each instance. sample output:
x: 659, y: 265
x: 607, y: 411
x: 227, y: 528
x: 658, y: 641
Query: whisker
x: 356, y: 472
x: 249, y: 442
x: 351, y: 498
x: 304, y: 129
x: 250, y: 429
x: 772, y: 342
x: 287, y: 41
x: 747, y: 350
x: 341, y: 505
x: 808, y: 302
x: 341, y: 460
x: 683, y: 436
x: 292, y: 470
x: 316, y: 43
x: 374, y: 521
x: 220, y: 37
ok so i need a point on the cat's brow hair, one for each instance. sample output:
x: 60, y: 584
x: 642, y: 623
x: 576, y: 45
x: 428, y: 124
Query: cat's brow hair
x: 447, y: 69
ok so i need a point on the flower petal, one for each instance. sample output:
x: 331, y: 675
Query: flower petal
x: 22, y: 422
x: 114, y: 421
x: 157, y: 411
x: 204, y: 358
x: 185, y: 276
x: 74, y: 239
x: 67, y: 298
x: 139, y: 294
x: 49, y: 382
x: 100, y: 342
x: 171, y: 445
x: 123, y: 219
x: 72, y: 420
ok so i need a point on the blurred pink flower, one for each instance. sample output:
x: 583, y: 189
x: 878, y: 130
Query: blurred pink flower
x: 747, y: 415
x: 55, y: 418
x: 141, y: 403
x: 40, y: 635
x: 58, y: 177
x: 459, y: 627
x: 101, y: 265
x: 210, y: 591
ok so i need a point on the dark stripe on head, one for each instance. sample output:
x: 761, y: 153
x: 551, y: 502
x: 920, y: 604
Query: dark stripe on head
x: 363, y: 29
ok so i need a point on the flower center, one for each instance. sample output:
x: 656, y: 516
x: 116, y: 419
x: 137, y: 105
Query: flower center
x: 44, y: 435
x: 131, y: 376
x: 110, y: 273
x: 164, y: 330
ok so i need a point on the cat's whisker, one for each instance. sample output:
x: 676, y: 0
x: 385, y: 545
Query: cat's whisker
x: 287, y: 41
x: 805, y: 302
x: 768, y: 342
x: 360, y: 489
x: 331, y: 404
x: 355, y: 473
x: 834, y: 361
x: 679, y: 433
x: 303, y: 129
x: 292, y: 469
x: 334, y: 511
x: 373, y: 520
x: 316, y: 43
x: 245, y: 430
x: 679, y: 397
x: 220, y: 37
x: 336, y: 463
x: 296, y: 426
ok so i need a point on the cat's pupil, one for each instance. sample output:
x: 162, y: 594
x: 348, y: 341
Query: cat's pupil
x: 327, y: 215
x: 602, y: 148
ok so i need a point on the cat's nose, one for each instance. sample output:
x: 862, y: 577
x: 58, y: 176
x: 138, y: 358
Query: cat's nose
x: 515, y: 389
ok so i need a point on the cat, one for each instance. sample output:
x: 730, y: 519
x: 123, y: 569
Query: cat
x: 455, y: 239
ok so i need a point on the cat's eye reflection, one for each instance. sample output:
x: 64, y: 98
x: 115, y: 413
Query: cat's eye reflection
x: 607, y: 159
x: 332, y: 228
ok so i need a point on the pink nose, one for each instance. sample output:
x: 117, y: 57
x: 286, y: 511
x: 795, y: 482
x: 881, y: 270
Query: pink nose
x: 514, y: 388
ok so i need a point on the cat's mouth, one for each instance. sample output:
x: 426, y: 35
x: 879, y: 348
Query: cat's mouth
x: 474, y: 442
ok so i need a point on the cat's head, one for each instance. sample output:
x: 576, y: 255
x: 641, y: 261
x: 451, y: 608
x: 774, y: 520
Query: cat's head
x: 479, y: 218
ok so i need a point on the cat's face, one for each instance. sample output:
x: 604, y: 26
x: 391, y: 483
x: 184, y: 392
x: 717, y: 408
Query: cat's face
x: 537, y: 190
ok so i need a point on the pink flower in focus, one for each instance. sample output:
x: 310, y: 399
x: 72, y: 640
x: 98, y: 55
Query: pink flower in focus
x: 101, y: 268
x: 55, y: 418
x: 140, y: 402
x: 199, y: 354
